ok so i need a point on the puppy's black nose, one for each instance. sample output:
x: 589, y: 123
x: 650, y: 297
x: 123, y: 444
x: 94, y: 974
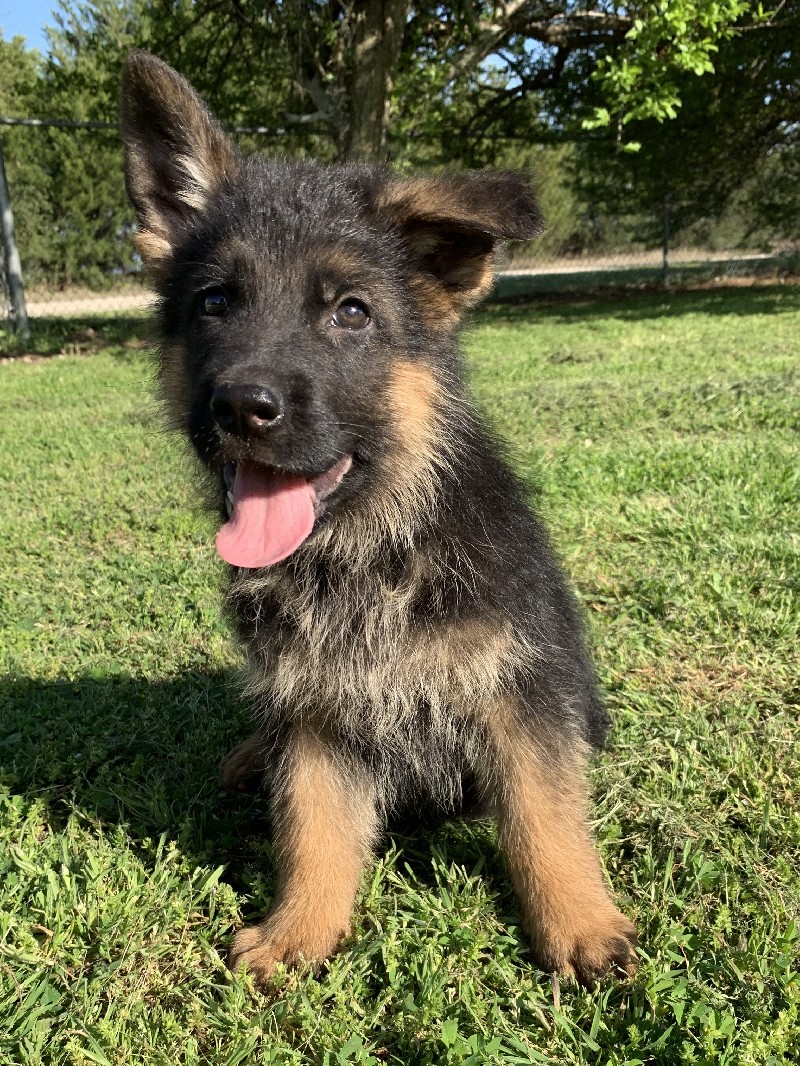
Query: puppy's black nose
x: 246, y: 410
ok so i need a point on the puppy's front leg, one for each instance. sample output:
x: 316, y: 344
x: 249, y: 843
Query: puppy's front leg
x: 324, y: 822
x: 540, y: 792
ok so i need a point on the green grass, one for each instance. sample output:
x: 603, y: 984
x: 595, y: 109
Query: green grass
x: 662, y: 434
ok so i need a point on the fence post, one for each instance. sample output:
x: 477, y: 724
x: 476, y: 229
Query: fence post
x: 13, y: 265
x: 665, y: 237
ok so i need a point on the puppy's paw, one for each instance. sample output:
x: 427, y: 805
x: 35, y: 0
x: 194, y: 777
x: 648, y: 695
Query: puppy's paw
x: 259, y: 948
x: 243, y: 767
x: 590, y: 945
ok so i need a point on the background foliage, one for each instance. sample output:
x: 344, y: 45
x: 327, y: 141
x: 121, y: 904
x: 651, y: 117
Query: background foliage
x: 709, y: 92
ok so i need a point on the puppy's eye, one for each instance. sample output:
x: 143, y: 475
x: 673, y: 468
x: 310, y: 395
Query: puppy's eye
x: 351, y: 314
x: 213, y: 302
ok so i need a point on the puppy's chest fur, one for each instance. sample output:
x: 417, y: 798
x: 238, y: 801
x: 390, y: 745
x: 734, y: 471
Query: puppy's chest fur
x: 375, y: 653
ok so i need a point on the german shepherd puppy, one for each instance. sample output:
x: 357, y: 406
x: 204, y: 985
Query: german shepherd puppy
x: 411, y: 642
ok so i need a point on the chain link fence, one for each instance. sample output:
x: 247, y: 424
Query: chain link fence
x: 523, y: 275
x: 682, y: 264
x: 77, y: 260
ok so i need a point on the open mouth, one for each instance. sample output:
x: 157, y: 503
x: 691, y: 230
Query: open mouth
x: 271, y: 511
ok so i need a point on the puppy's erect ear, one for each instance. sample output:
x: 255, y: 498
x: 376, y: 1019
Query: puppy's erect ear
x: 176, y: 155
x: 451, y: 225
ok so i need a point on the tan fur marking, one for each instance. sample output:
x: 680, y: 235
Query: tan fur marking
x: 154, y: 250
x: 453, y: 275
x: 498, y: 204
x: 341, y: 261
x: 203, y: 174
x: 474, y: 275
x: 413, y: 394
x: 429, y: 199
x: 377, y: 676
x: 420, y: 444
x: 243, y: 766
x: 409, y: 479
x: 442, y: 306
x: 574, y: 927
x: 199, y: 156
x: 434, y: 302
x: 325, y: 826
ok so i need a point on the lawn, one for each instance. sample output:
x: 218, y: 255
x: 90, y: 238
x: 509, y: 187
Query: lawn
x: 660, y: 437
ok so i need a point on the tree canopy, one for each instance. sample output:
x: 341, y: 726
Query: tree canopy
x: 362, y: 76
x: 702, y: 93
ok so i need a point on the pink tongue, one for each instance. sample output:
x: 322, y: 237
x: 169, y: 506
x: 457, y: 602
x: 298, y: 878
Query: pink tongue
x: 272, y: 516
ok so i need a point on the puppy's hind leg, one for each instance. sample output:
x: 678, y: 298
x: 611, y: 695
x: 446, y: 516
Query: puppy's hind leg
x: 325, y: 821
x: 243, y: 767
x: 540, y: 790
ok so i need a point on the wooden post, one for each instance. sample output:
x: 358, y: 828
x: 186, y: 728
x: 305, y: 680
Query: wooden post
x: 13, y: 265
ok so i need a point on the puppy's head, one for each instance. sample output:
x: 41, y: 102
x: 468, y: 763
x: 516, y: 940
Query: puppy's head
x: 307, y: 316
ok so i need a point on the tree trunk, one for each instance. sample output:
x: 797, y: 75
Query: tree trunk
x: 377, y: 30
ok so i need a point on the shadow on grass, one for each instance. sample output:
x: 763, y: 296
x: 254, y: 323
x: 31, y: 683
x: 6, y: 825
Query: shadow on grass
x: 132, y: 751
x: 78, y: 336
x: 146, y: 754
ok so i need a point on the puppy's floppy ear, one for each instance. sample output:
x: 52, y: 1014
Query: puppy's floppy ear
x: 176, y: 156
x: 451, y: 225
